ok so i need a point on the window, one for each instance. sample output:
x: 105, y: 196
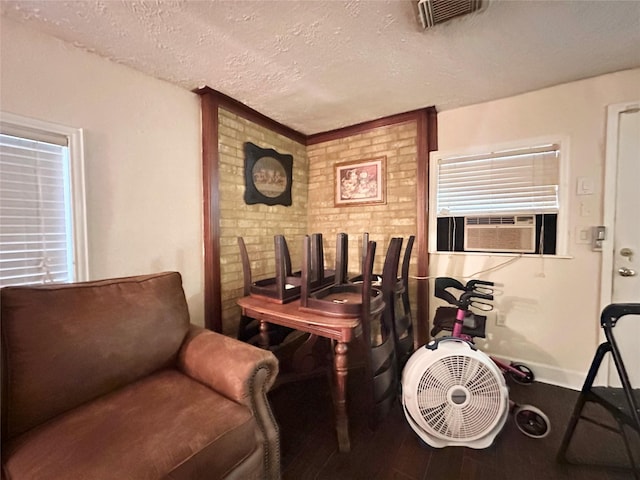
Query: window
x: 42, y: 227
x: 505, y: 200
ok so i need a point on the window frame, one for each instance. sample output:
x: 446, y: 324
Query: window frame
x: 485, y: 149
x: 77, y: 190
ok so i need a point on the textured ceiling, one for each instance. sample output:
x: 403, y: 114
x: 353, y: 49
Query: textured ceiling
x: 319, y: 65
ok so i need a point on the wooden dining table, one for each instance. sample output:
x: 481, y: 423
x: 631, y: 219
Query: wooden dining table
x: 341, y: 330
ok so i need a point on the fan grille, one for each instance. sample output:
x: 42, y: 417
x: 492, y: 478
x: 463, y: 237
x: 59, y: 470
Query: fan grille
x: 459, y: 397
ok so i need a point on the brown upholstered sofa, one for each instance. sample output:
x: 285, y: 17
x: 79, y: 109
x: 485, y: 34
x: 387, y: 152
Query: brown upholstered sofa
x: 109, y: 380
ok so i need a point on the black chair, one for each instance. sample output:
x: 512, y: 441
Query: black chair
x: 404, y: 320
x: 621, y: 403
x: 348, y: 299
x: 377, y: 337
x: 395, y: 290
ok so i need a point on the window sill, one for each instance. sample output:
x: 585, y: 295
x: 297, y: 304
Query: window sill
x: 501, y: 254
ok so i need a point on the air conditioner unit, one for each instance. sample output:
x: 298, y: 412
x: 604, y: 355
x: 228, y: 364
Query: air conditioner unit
x: 432, y: 12
x: 510, y: 233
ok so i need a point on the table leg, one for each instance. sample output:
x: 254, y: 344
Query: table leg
x: 340, y: 397
x: 264, y: 334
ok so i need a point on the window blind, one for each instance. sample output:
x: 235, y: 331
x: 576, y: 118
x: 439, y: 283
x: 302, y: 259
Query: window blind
x: 514, y: 181
x: 35, y: 218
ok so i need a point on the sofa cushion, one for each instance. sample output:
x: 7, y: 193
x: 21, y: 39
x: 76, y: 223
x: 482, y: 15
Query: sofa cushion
x: 143, y: 431
x: 64, y: 345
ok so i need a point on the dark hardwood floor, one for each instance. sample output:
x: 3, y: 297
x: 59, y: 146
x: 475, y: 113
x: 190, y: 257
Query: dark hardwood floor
x: 392, y: 451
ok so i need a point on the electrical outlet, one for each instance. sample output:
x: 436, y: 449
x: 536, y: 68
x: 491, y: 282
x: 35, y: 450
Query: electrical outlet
x: 585, y: 186
x: 583, y: 235
x: 501, y: 320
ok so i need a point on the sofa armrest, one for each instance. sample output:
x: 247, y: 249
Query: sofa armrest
x: 241, y: 372
x: 232, y: 368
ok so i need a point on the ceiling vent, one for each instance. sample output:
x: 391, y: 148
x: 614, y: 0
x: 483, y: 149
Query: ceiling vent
x: 432, y: 12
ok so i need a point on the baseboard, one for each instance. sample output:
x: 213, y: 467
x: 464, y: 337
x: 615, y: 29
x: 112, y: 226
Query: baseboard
x: 556, y: 376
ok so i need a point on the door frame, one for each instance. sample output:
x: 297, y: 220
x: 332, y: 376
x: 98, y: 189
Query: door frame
x: 609, y: 207
x: 610, y: 179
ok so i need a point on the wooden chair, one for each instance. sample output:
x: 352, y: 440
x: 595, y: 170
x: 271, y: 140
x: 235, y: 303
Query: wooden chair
x: 349, y: 299
x: 273, y: 288
x: 396, y: 296
x: 377, y: 337
x: 340, y: 299
x: 623, y: 404
x: 404, y: 322
x: 394, y: 313
x: 362, y: 299
x: 284, y: 286
x: 319, y: 275
x: 308, y: 355
x: 342, y: 257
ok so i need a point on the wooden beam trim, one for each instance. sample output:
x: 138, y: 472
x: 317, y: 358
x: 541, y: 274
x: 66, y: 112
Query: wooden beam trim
x: 427, y: 142
x: 211, y: 213
x: 364, y: 126
x: 234, y: 106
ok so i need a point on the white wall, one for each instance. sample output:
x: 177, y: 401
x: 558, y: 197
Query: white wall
x: 551, y: 305
x: 142, y: 154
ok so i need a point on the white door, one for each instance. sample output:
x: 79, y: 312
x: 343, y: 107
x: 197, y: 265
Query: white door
x: 623, y: 256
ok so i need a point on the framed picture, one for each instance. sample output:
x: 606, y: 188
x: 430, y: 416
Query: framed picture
x: 268, y: 176
x: 362, y: 182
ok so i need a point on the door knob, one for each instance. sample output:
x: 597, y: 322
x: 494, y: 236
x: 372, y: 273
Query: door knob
x: 626, y: 272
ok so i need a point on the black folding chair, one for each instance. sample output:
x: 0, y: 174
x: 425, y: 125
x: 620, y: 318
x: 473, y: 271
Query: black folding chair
x: 621, y: 403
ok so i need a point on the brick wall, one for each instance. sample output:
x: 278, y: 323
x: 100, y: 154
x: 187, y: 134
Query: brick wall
x: 257, y: 224
x: 398, y: 217
x: 313, y: 208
